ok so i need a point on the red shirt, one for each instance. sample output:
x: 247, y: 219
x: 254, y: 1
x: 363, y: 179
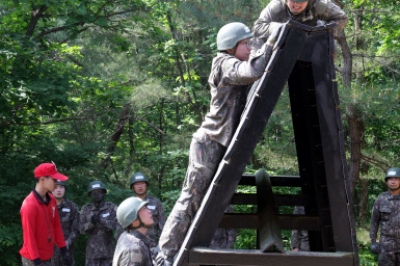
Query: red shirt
x: 41, y: 227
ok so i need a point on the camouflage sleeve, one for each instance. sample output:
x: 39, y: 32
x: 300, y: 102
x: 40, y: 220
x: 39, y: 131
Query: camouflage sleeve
x: 109, y: 219
x: 85, y: 224
x: 334, y: 14
x: 162, y: 219
x: 75, y: 225
x: 275, y: 11
x: 375, y: 217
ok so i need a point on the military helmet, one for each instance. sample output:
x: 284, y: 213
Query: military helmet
x: 62, y: 183
x: 138, y: 177
x: 232, y: 33
x: 392, y: 172
x: 127, y: 211
x: 96, y: 185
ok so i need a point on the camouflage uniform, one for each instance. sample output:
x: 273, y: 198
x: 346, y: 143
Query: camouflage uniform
x: 386, y: 215
x: 299, y: 237
x: 229, y: 81
x: 157, y: 210
x: 133, y: 249
x: 101, y: 242
x: 69, y: 216
x: 224, y: 238
x: 316, y: 11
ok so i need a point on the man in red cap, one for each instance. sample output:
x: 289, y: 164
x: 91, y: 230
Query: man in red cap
x: 40, y: 220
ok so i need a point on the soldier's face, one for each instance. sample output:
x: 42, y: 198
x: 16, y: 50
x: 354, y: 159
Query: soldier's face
x: 146, y: 216
x: 243, y: 50
x: 97, y: 195
x: 393, y: 183
x: 296, y: 7
x: 59, y: 192
x: 140, y: 188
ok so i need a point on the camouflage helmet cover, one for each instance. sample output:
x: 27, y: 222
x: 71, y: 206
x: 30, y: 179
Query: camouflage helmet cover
x: 138, y: 177
x: 392, y: 172
x: 232, y: 33
x: 127, y: 211
x: 96, y: 185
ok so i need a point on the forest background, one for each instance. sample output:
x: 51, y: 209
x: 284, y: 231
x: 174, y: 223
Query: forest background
x: 106, y: 88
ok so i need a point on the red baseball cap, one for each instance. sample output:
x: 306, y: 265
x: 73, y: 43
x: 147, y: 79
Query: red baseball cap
x: 49, y: 169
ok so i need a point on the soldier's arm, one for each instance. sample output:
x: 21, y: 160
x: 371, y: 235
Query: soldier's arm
x: 74, y: 225
x: 109, y: 219
x: 162, y: 218
x: 85, y: 224
x: 334, y: 14
x: 375, y: 217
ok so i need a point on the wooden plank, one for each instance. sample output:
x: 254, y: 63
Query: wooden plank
x: 204, y: 256
x: 269, y: 233
x: 276, y: 181
x: 279, y: 199
x: 286, y: 222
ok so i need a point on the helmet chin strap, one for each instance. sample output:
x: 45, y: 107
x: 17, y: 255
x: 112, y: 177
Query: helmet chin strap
x: 141, y: 224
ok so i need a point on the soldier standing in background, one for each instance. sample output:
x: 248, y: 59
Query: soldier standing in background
x: 98, y: 220
x: 139, y: 184
x: 69, y: 216
x: 386, y: 216
x: 133, y: 247
x: 299, y: 240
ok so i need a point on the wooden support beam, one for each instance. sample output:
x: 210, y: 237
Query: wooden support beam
x: 204, y: 256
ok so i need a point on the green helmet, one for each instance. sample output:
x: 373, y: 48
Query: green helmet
x: 62, y: 183
x: 96, y: 185
x: 127, y: 211
x: 392, y: 172
x: 138, y: 177
x: 232, y: 33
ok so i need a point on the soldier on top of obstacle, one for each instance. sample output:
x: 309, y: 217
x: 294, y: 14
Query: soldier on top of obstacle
x: 139, y: 184
x: 134, y: 247
x: 308, y: 12
x: 299, y: 239
x: 69, y: 216
x: 98, y: 221
x: 386, y: 216
x: 233, y: 71
x: 224, y: 238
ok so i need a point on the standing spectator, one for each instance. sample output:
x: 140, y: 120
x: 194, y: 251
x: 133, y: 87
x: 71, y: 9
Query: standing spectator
x: 299, y: 240
x: 40, y: 220
x: 233, y: 71
x: 308, y: 12
x: 386, y: 216
x: 133, y: 247
x: 139, y: 184
x: 224, y: 238
x: 98, y: 220
x: 69, y: 216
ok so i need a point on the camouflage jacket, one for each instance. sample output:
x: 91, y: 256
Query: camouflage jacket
x: 229, y: 82
x: 133, y: 249
x: 69, y: 216
x: 101, y: 241
x: 386, y: 215
x: 317, y: 10
x: 157, y: 210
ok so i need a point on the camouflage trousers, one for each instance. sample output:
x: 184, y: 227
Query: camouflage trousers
x: 204, y: 158
x: 389, y: 259
x: 26, y: 262
x: 98, y: 262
